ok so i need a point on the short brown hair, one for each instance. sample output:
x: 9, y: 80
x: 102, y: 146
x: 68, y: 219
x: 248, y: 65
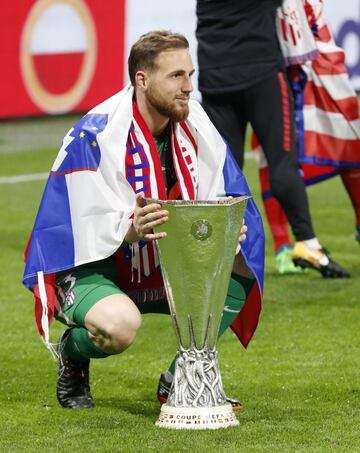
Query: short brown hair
x: 144, y: 52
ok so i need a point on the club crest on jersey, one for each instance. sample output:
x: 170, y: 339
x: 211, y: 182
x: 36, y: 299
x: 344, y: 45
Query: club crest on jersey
x: 70, y: 297
x: 67, y: 295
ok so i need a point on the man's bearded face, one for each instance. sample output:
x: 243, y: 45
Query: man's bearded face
x: 169, y: 86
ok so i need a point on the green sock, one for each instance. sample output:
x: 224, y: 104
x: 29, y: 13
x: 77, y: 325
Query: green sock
x: 78, y: 346
x: 239, y: 288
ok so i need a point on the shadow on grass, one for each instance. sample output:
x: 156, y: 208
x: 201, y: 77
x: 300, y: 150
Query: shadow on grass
x: 144, y: 408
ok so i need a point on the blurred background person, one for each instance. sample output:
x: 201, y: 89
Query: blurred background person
x: 326, y: 113
x: 242, y: 79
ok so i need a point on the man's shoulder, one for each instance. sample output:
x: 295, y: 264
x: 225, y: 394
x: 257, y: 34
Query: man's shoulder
x: 200, y: 124
x: 197, y: 115
x: 193, y: 104
x: 195, y: 109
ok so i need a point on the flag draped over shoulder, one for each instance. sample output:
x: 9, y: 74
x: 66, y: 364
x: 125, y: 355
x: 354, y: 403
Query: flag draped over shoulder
x: 89, y: 198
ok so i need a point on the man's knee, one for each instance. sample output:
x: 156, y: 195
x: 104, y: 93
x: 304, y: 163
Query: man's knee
x: 113, y: 323
x: 121, y: 330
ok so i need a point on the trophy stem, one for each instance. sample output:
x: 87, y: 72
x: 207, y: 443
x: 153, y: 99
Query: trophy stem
x: 197, y: 381
x: 197, y: 399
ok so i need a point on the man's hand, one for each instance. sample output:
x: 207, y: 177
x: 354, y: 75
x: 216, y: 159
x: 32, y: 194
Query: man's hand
x: 146, y: 217
x: 243, y: 232
x: 242, y: 237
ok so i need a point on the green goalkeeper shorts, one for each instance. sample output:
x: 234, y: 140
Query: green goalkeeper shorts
x: 80, y: 288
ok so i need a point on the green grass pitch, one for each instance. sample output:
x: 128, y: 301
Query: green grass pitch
x: 298, y: 380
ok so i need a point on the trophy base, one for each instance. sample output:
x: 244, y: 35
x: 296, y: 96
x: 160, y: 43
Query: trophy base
x: 215, y: 417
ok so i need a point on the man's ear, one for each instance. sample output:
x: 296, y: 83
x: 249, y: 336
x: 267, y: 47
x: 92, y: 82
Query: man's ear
x: 141, y: 80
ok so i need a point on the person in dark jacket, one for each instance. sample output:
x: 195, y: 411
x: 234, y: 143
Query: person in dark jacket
x: 242, y: 80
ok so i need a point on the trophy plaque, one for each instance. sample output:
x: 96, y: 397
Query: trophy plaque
x: 197, y: 257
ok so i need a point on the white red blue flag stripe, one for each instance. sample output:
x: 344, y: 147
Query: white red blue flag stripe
x: 53, y: 231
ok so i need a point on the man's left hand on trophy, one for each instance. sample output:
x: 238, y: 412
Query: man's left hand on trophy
x: 242, y: 237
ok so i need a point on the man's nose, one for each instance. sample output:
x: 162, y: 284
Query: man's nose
x: 187, y: 86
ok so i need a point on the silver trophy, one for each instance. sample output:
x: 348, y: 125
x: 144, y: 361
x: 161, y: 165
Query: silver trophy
x: 196, y: 258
